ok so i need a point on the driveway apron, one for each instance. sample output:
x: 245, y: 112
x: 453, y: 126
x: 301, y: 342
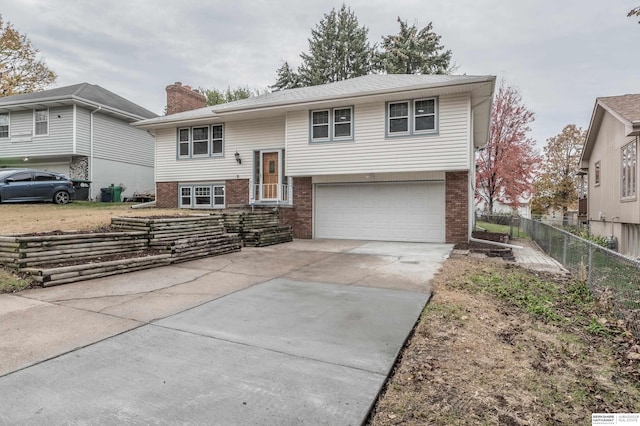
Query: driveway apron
x: 304, y: 347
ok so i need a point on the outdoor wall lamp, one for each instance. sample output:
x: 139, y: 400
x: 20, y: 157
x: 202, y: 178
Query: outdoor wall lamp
x: 238, y: 159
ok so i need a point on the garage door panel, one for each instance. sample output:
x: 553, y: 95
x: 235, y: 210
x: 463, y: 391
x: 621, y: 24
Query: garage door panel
x: 393, y: 212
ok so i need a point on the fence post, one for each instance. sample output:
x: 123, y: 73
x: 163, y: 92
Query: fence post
x: 589, y: 273
x: 564, y: 250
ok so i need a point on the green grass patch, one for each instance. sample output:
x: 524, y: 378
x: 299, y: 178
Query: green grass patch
x: 96, y: 205
x: 11, y: 283
x: 502, y: 229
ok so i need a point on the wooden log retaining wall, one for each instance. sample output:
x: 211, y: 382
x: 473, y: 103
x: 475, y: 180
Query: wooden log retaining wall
x: 179, y: 240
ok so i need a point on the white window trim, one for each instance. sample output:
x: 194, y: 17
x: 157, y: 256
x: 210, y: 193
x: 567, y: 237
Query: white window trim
x: 193, y: 142
x: 34, y: 122
x: 630, y: 174
x: 212, y: 197
x: 597, y: 173
x: 8, y: 114
x: 408, y: 117
x: 331, y: 125
x: 211, y: 139
x: 416, y: 115
x: 187, y: 142
x: 412, y: 118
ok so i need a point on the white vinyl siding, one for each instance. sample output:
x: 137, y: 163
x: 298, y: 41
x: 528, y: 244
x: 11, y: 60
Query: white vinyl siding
x: 22, y: 143
x: 372, y: 152
x: 242, y: 136
x: 83, y: 131
x: 117, y: 140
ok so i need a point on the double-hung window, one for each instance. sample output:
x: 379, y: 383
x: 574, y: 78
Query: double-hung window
x: 629, y: 170
x: 41, y: 122
x: 415, y: 117
x: 184, y: 143
x: 4, y: 125
x: 201, y: 141
x: 217, y: 139
x: 332, y: 124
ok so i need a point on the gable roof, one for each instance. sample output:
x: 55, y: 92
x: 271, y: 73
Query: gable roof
x: 90, y: 95
x: 625, y: 108
x: 368, y: 88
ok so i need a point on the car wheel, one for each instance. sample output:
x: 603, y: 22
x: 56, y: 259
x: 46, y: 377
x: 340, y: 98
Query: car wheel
x: 61, y: 197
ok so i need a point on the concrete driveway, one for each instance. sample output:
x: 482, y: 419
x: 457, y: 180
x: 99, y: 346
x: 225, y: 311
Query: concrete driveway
x: 300, y: 333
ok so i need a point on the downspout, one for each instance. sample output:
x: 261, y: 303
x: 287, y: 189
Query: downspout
x: 91, y: 143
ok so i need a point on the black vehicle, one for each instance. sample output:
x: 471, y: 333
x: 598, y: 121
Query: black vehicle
x: 18, y: 185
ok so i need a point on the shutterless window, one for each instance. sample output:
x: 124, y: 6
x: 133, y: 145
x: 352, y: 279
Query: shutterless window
x: 4, y: 125
x: 217, y: 135
x: 424, y: 115
x: 184, y: 142
x: 399, y: 117
x: 200, y: 141
x: 596, y: 177
x: 218, y: 196
x: 185, y: 196
x: 202, y: 196
x: 342, y: 123
x: 41, y: 122
x: 628, y: 177
x: 320, y: 125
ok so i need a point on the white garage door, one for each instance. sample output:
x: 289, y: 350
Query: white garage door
x: 382, y: 211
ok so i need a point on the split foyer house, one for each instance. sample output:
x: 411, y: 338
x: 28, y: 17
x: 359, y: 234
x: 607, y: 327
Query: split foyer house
x: 83, y: 131
x: 609, y: 158
x: 378, y: 157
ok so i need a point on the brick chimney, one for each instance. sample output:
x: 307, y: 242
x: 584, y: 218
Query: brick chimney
x: 182, y: 98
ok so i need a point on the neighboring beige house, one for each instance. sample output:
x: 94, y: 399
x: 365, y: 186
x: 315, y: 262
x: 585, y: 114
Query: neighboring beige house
x: 610, y: 158
x: 378, y: 157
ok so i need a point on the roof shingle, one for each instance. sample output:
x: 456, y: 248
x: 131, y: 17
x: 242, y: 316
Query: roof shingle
x: 627, y: 106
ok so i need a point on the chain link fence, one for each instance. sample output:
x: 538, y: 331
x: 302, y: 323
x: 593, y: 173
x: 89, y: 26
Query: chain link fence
x: 610, y: 275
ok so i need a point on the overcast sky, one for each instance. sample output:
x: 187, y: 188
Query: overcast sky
x: 561, y: 54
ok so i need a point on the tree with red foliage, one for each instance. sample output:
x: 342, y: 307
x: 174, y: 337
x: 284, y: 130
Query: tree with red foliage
x: 505, y: 169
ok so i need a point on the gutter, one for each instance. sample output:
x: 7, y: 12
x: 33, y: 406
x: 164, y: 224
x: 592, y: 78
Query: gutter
x: 495, y: 243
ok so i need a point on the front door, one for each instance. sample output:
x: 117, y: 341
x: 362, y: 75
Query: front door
x: 270, y: 175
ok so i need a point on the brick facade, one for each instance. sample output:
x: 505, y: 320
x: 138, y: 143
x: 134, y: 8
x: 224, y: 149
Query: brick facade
x: 301, y: 215
x: 457, y: 207
x: 236, y: 192
x: 167, y: 195
x: 182, y: 98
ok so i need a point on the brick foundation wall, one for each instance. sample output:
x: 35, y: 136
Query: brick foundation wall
x: 236, y: 192
x: 167, y: 195
x: 457, y: 207
x: 182, y: 98
x: 301, y: 215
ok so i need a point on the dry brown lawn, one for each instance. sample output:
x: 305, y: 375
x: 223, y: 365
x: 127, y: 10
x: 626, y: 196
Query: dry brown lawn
x: 45, y: 217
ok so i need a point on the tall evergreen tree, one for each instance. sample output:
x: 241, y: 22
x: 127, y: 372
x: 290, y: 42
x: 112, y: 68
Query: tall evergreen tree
x: 287, y: 78
x: 216, y: 96
x: 414, y: 51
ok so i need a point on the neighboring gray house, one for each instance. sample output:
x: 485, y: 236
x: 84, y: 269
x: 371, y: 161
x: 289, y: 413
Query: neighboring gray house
x: 610, y: 156
x: 83, y: 131
x: 378, y: 157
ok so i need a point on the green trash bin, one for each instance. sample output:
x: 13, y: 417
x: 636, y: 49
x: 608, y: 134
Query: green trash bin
x: 117, y: 194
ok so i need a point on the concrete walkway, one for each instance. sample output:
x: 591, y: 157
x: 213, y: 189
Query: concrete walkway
x: 531, y: 257
x: 301, y: 333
